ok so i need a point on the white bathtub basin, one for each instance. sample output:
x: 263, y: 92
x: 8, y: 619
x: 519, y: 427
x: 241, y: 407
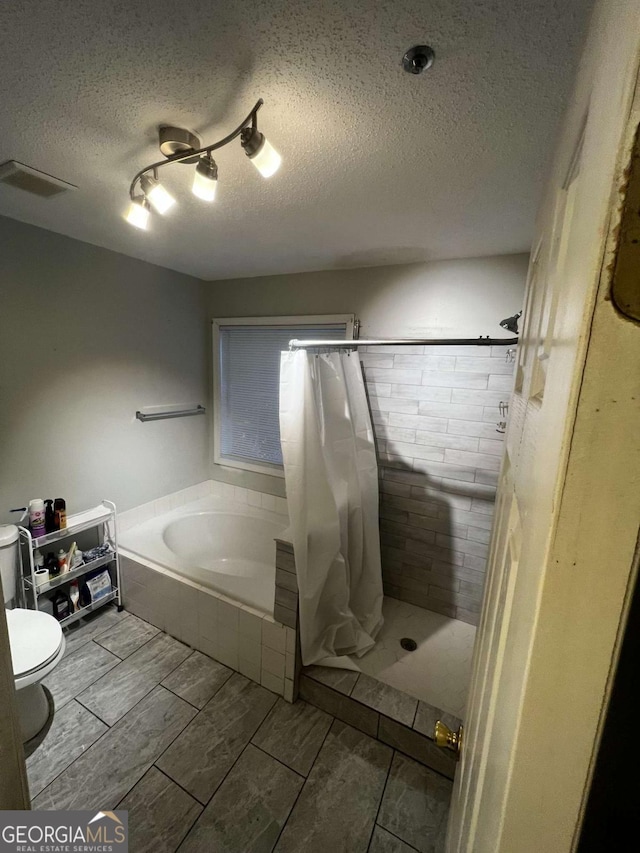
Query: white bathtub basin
x: 225, y: 546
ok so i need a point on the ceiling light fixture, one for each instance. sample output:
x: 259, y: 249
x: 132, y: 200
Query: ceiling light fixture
x: 205, y: 178
x: 138, y: 213
x: 260, y: 151
x: 181, y: 146
x: 158, y: 197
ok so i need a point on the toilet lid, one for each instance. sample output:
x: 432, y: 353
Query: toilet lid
x: 34, y: 638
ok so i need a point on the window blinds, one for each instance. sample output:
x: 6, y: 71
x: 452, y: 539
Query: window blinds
x: 249, y: 383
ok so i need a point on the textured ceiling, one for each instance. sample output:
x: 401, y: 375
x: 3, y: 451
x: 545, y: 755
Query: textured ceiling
x: 379, y: 166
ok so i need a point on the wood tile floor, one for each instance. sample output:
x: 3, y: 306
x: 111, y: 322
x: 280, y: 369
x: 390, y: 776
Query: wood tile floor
x: 205, y: 760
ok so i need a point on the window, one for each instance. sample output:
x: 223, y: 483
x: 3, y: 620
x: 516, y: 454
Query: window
x: 246, y: 376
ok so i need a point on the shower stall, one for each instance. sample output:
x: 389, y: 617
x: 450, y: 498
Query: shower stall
x: 391, y: 451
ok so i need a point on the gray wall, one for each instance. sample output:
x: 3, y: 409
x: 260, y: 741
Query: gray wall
x: 464, y: 297
x: 87, y: 336
x: 435, y: 413
x: 448, y: 298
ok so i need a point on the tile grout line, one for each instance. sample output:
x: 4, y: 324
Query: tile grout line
x: 415, y: 714
x: 91, y: 683
x: 395, y: 836
x: 363, y: 704
x: 281, y: 763
x: 217, y: 788
x: 197, y: 802
x: 93, y: 638
x: 384, y: 788
x: 104, y: 734
x: 353, y: 687
x: 109, y: 727
x: 157, y: 684
x: 220, y: 686
x: 173, y: 781
x: 153, y: 763
x: 75, y: 759
x: 96, y: 640
x: 295, y: 802
x: 120, y: 660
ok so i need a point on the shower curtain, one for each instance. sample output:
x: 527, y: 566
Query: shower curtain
x: 332, y: 492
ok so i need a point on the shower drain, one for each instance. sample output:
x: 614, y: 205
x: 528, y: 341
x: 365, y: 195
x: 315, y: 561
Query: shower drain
x: 408, y: 644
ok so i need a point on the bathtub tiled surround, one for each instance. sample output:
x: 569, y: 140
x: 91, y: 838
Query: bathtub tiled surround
x: 152, y: 509
x: 244, y: 639
x: 435, y: 415
x: 286, y: 601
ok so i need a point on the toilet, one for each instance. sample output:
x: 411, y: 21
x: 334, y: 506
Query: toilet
x: 36, y: 640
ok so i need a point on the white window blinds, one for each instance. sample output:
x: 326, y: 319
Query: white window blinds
x: 249, y: 382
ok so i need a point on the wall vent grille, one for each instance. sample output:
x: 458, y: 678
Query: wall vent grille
x: 32, y: 180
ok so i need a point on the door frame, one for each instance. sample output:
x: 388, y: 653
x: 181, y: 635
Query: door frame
x: 571, y: 603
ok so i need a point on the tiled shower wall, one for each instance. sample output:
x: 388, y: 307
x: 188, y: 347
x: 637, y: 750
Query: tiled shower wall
x: 436, y: 413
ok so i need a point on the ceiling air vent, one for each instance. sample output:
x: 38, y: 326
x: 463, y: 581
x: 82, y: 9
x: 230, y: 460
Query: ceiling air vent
x: 31, y: 180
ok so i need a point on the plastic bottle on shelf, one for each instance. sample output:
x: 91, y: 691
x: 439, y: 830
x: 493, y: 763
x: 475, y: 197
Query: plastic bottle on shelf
x: 60, y: 513
x: 63, y: 566
x: 49, y: 517
x: 61, y: 605
x: 36, y: 517
x: 51, y: 563
x: 38, y: 559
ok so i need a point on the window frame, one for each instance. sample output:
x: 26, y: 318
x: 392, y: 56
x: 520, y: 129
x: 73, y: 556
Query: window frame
x: 312, y: 320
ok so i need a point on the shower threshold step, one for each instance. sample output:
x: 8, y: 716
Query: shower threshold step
x: 381, y: 711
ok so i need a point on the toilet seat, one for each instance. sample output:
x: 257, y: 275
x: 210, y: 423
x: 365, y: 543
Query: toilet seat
x: 36, y: 642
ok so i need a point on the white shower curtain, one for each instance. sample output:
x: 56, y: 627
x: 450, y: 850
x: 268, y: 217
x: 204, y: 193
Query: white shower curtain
x: 332, y: 492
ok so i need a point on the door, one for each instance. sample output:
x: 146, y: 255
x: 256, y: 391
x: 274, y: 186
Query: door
x: 568, y: 505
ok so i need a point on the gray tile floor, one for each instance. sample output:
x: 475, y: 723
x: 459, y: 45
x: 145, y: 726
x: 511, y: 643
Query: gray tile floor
x: 206, y: 760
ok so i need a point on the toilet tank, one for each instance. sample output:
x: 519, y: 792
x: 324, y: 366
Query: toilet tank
x: 9, y: 561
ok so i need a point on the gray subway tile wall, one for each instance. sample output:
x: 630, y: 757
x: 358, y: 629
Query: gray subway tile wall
x: 286, y: 595
x: 435, y: 414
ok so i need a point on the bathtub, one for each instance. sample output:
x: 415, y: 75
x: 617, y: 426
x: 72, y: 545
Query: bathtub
x: 223, y: 545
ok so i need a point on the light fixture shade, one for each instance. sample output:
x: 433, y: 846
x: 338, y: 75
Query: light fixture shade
x: 205, y: 179
x: 266, y: 159
x: 260, y: 151
x: 156, y: 193
x: 138, y: 213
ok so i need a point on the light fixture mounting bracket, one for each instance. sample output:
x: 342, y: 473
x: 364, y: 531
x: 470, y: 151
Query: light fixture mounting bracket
x: 178, y: 140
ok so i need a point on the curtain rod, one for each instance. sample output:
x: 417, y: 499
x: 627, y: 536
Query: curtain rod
x: 400, y: 342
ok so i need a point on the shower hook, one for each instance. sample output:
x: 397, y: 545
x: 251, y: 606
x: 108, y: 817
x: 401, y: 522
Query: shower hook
x: 503, y: 408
